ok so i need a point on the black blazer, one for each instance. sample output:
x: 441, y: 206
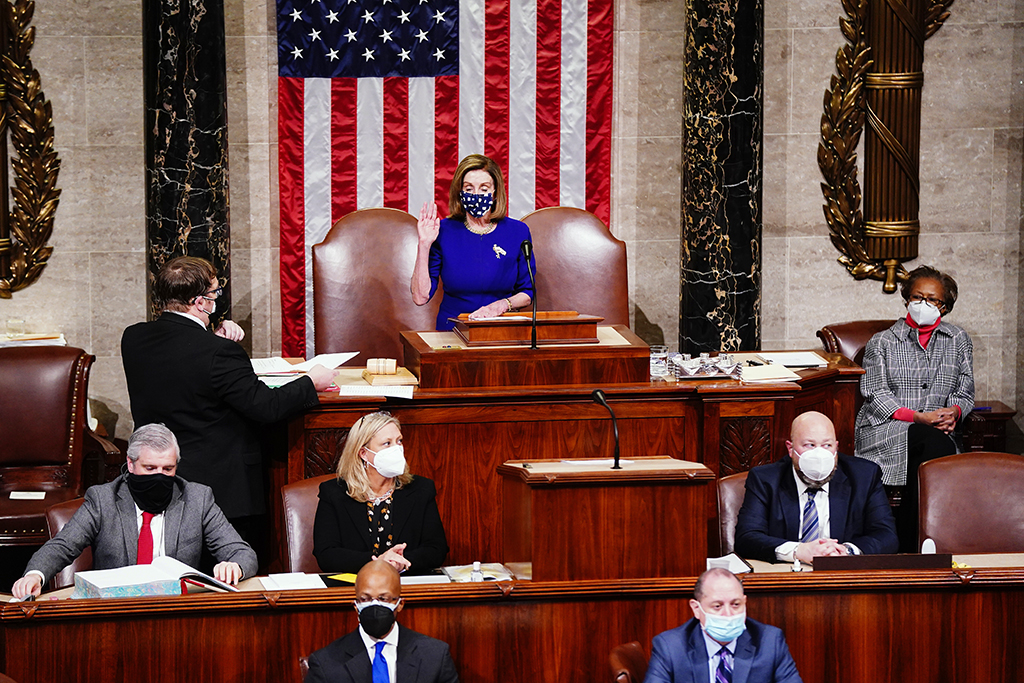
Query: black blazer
x: 421, y: 659
x: 204, y: 389
x: 859, y: 511
x: 341, y: 533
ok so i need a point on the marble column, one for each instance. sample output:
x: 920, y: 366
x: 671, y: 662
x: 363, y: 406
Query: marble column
x: 186, y: 135
x: 720, y: 262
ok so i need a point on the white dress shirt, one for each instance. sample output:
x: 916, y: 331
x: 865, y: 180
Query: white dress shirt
x: 786, y: 551
x: 390, y: 649
x: 189, y: 316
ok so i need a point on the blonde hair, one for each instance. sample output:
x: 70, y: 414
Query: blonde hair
x: 351, y: 469
x: 477, y: 162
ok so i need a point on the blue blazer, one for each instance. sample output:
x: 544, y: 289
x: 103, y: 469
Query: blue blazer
x: 859, y: 511
x: 762, y: 656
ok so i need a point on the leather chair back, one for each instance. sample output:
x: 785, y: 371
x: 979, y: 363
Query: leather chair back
x: 43, y: 398
x: 850, y: 338
x: 628, y: 663
x: 56, y: 517
x: 299, y: 501
x: 361, y: 285
x: 581, y: 266
x: 731, y: 490
x: 972, y: 503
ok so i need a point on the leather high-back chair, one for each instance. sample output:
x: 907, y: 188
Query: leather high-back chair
x: 581, y: 266
x: 972, y: 503
x: 299, y: 501
x: 44, y: 440
x: 56, y: 517
x: 731, y: 490
x: 628, y: 663
x: 850, y: 338
x: 361, y: 285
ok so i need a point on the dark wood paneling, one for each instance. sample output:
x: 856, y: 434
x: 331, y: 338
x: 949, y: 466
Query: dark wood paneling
x: 842, y: 627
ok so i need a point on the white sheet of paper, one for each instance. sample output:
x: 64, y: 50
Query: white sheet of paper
x: 292, y: 581
x: 263, y: 366
x: 367, y: 390
x: 28, y: 495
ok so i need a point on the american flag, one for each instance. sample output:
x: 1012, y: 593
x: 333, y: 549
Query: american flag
x: 379, y: 100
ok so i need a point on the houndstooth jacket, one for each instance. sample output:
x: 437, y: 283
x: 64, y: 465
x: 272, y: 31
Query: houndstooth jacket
x: 899, y: 373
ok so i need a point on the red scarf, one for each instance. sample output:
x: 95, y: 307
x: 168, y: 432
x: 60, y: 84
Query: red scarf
x: 924, y: 333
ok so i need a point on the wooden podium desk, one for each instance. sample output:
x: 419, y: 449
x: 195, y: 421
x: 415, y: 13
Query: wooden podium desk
x: 459, y: 437
x: 842, y: 627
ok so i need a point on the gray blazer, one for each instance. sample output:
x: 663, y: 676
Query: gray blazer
x: 107, y: 521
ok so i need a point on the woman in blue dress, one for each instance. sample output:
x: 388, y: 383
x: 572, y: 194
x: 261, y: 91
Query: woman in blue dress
x: 476, y: 251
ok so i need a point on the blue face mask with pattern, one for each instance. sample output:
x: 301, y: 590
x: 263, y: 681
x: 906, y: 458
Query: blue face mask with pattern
x: 477, y: 205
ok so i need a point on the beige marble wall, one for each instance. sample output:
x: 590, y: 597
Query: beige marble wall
x: 970, y: 181
x: 90, y: 56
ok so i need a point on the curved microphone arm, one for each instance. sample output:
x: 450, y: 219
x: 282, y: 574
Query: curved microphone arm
x: 599, y: 397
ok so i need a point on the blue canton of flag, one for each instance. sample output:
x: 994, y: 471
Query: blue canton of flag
x: 367, y: 38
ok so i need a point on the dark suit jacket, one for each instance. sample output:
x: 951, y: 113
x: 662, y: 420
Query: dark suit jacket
x: 859, y: 511
x: 108, y: 522
x: 341, y: 534
x: 681, y: 656
x: 203, y: 388
x: 421, y: 659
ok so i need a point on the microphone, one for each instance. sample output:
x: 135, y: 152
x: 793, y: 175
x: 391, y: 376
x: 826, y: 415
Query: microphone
x: 527, y: 248
x: 599, y: 397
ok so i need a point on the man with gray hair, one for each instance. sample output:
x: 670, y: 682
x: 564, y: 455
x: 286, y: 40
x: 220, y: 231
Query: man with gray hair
x: 145, y: 513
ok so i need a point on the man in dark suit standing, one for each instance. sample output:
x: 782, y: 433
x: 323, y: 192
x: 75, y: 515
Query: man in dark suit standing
x: 145, y: 513
x: 814, y: 503
x: 381, y: 651
x: 202, y: 386
x: 720, y: 644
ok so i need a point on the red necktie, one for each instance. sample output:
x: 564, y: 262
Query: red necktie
x: 146, y: 540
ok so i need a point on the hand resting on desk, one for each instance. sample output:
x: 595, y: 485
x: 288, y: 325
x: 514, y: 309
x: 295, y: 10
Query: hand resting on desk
x: 29, y: 584
x: 228, y: 572
x: 823, y: 547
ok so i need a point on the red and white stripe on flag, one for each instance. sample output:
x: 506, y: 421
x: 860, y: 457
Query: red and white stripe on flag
x: 533, y: 92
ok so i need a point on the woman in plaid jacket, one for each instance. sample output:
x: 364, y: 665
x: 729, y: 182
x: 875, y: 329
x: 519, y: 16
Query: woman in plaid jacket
x: 918, y: 383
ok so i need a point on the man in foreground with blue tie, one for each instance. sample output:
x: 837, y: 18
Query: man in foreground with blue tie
x: 381, y: 651
x: 815, y: 503
x: 720, y: 645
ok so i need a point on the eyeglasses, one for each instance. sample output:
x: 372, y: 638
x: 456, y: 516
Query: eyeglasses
x: 380, y: 598
x: 215, y: 292
x: 934, y: 302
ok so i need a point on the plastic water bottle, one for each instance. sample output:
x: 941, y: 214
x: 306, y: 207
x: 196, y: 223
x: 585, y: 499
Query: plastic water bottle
x: 476, y: 574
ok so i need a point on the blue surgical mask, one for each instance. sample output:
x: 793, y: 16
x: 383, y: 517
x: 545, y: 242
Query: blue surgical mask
x: 725, y: 629
x: 477, y: 205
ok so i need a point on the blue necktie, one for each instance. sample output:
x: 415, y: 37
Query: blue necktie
x: 380, y: 667
x: 723, y: 674
x: 809, y: 530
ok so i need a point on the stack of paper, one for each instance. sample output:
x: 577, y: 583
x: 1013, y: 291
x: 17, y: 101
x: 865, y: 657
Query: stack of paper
x: 163, y: 577
x: 794, y: 359
x: 768, y: 373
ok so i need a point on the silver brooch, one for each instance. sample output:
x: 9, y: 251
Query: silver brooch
x: 498, y: 251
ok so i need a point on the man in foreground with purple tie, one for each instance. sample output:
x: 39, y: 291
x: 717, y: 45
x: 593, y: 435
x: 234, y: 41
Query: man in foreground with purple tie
x: 720, y: 644
x: 817, y: 502
x: 381, y: 651
x: 147, y: 512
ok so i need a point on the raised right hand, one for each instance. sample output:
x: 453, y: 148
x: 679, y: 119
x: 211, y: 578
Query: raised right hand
x: 429, y: 224
x: 27, y: 585
x: 322, y: 377
x: 395, y: 558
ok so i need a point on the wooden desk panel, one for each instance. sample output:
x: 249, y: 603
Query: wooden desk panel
x: 843, y: 627
x: 459, y: 437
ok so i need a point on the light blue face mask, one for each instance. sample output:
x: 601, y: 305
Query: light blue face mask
x: 725, y: 629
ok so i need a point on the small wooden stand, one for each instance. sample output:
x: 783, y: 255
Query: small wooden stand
x: 576, y: 522
x: 553, y: 327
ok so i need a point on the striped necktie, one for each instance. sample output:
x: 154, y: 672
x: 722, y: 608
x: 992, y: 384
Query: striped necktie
x: 809, y: 530
x: 723, y: 674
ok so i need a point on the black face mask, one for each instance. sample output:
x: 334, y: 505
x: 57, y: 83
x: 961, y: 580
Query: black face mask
x: 376, y: 620
x: 151, y: 492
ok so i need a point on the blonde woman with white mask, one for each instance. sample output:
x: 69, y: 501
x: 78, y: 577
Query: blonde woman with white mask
x: 375, y: 508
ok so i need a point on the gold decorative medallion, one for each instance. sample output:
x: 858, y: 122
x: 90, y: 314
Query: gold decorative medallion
x: 26, y: 116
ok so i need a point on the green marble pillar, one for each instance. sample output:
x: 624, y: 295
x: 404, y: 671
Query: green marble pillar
x: 185, y: 86
x: 720, y: 261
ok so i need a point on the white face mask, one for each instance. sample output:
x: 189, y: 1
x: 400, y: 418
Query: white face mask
x: 389, y: 462
x: 817, y: 463
x: 923, y: 313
